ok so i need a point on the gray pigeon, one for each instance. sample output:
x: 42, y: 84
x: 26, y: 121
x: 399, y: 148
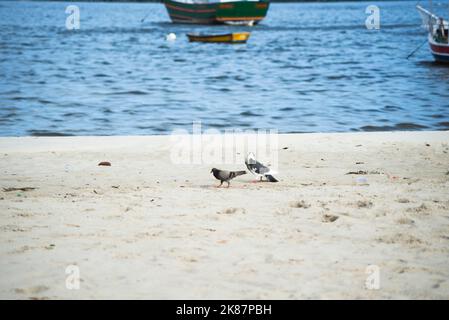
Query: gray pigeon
x: 258, y: 169
x: 225, y: 176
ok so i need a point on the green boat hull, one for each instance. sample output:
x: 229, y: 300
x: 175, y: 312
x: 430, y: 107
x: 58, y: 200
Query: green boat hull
x: 234, y: 12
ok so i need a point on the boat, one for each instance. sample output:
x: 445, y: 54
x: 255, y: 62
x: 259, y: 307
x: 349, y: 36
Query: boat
x: 438, y: 34
x: 236, y: 37
x: 232, y: 12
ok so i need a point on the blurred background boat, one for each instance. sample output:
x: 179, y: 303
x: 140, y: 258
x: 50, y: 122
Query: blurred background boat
x: 438, y: 33
x: 235, y: 37
x: 119, y: 76
x: 243, y: 12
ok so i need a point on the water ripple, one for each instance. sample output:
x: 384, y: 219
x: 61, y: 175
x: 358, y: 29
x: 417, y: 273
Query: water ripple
x: 303, y: 70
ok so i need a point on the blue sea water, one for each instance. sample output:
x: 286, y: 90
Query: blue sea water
x: 308, y: 67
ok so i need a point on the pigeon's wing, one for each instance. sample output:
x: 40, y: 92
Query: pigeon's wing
x: 222, y: 175
x: 261, y: 169
x: 225, y: 175
x: 254, y: 166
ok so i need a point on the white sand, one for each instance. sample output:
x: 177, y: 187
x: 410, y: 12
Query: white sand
x: 164, y: 231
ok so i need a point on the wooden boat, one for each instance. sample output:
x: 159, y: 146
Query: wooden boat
x: 438, y: 36
x: 236, y: 37
x: 235, y: 12
x: 440, y: 51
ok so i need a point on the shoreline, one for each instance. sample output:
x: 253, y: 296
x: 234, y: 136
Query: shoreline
x: 145, y: 228
x: 65, y: 142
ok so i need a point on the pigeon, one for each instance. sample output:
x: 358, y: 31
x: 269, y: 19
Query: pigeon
x: 224, y: 175
x: 258, y: 169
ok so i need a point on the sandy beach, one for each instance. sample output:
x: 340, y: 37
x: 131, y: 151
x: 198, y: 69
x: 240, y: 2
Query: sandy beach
x: 145, y: 228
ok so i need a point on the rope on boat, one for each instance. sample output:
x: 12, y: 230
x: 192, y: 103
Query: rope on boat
x: 419, y: 47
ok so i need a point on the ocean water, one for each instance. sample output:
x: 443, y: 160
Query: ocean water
x: 308, y: 67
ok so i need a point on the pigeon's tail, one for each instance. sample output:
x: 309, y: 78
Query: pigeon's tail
x: 271, y: 178
x: 236, y: 173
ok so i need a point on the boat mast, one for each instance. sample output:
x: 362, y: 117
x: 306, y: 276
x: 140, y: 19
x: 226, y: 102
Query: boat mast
x: 431, y: 22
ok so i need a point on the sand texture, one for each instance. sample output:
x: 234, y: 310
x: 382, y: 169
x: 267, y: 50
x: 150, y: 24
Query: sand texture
x: 146, y: 228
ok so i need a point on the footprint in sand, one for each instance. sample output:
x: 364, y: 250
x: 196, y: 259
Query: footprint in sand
x: 421, y: 210
x: 401, y: 238
x: 329, y: 218
x: 22, y: 249
x: 232, y: 211
x: 405, y: 220
x: 364, y: 204
x: 14, y: 228
x: 300, y: 204
x: 31, y: 290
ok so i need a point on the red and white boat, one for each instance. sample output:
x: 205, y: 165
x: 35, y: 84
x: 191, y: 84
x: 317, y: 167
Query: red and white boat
x: 438, y: 37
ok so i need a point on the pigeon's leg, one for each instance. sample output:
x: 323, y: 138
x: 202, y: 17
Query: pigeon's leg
x: 221, y: 182
x: 228, y: 184
x: 261, y: 178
